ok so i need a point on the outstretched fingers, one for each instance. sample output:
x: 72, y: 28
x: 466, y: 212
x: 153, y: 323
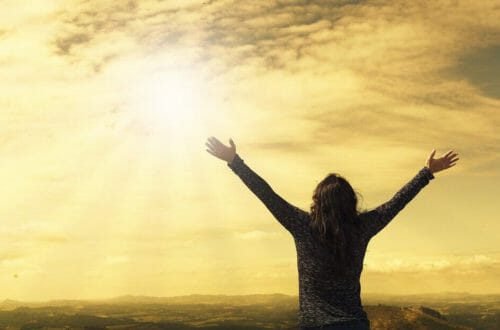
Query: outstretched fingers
x: 452, y: 160
x: 447, y: 154
x: 210, y: 145
x: 214, y: 149
x: 452, y: 157
x: 216, y: 142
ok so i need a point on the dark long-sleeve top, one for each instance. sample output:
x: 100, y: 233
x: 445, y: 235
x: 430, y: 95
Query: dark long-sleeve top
x: 323, y: 298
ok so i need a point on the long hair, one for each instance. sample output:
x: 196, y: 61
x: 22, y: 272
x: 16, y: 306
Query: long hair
x: 335, y: 218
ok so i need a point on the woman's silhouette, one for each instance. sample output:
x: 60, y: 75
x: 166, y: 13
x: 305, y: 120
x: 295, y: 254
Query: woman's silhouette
x: 331, y: 239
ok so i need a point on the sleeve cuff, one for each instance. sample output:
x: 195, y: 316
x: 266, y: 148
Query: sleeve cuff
x: 427, y: 173
x: 235, y: 163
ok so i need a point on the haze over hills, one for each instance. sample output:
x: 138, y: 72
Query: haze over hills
x: 367, y: 298
x: 256, y: 311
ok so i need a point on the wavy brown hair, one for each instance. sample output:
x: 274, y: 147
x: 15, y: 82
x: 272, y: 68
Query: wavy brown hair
x: 335, y: 218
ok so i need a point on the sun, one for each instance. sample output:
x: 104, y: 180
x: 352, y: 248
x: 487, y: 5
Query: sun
x: 170, y: 101
x: 169, y: 109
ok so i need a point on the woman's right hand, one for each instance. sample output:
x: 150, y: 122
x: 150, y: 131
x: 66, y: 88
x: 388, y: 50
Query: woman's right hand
x: 219, y: 150
x: 446, y: 161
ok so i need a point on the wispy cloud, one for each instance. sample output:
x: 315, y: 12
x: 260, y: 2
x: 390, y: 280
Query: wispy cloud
x: 474, y: 272
x: 450, y: 263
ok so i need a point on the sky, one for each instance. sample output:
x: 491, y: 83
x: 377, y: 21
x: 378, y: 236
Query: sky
x: 105, y: 107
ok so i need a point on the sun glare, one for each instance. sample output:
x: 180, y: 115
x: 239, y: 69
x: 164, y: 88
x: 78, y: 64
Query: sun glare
x: 170, y: 110
x: 168, y: 101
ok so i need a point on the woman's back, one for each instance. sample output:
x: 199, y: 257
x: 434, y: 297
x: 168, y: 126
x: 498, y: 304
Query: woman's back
x: 326, y: 298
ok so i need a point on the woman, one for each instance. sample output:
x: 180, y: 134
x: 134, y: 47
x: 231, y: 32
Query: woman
x: 331, y: 239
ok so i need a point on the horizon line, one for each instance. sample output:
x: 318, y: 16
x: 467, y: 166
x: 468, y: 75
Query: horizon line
x: 248, y: 294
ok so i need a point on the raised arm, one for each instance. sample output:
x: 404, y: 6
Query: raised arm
x: 287, y: 214
x: 290, y: 216
x: 378, y: 218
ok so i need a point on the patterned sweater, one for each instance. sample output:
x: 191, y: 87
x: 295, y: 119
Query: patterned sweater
x: 323, y: 299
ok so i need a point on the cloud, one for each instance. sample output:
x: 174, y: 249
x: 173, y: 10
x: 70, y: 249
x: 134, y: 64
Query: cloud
x: 64, y: 45
x: 389, y: 52
x: 481, y: 67
x: 462, y: 264
x: 476, y: 273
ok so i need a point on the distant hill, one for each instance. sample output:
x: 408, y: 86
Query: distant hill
x: 250, y: 299
x: 430, y: 298
x: 444, y: 298
x: 257, y: 311
x: 392, y: 317
x: 192, y: 299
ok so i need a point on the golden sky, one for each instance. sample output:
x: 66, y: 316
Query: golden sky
x: 105, y: 107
